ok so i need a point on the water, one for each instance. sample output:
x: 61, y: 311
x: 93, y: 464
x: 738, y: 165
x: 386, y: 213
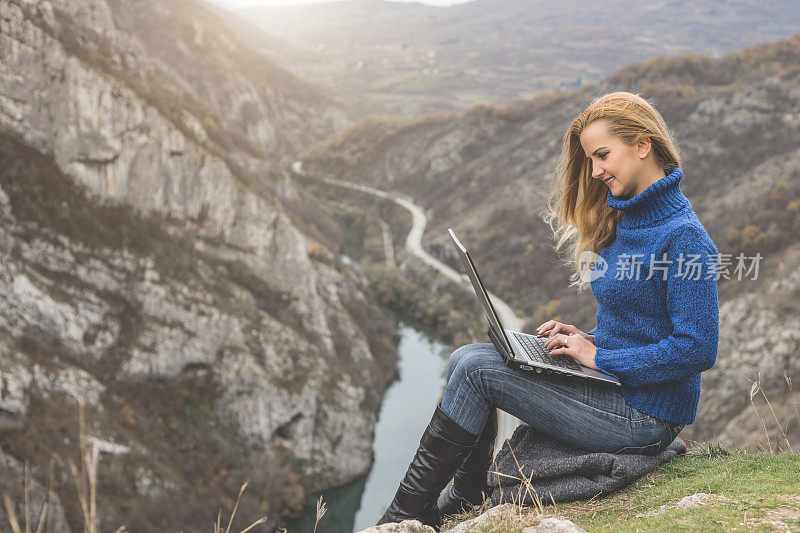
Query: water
x: 405, y: 412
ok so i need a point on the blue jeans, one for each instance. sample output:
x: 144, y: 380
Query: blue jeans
x: 587, y: 414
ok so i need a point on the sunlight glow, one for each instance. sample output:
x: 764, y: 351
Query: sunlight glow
x: 235, y: 5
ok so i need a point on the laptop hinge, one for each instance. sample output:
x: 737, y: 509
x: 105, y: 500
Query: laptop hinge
x: 498, y: 343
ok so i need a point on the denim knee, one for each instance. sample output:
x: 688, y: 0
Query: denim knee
x: 455, y: 357
x: 470, y: 361
x: 475, y: 350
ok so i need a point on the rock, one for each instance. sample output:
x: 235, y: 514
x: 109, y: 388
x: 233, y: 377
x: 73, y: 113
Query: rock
x: 88, y: 317
x: 492, y: 514
x: 554, y: 525
x: 406, y: 526
x: 498, y: 512
x: 687, y: 502
x: 110, y: 110
x: 695, y: 500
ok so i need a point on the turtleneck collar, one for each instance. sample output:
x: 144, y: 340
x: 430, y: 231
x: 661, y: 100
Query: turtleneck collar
x: 659, y: 201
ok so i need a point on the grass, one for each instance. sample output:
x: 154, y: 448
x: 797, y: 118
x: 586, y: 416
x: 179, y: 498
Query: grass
x: 736, y: 490
x: 85, y: 478
x: 747, y: 491
x: 782, y: 444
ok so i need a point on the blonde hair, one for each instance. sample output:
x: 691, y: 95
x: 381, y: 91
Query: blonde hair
x: 581, y: 220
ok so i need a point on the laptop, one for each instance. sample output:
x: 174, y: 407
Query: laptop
x: 521, y: 350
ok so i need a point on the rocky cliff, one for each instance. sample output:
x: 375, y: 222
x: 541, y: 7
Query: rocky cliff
x: 158, y: 265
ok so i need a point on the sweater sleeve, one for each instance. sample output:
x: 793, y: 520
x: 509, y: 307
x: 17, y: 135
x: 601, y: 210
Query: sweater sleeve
x: 693, y: 308
x: 591, y: 331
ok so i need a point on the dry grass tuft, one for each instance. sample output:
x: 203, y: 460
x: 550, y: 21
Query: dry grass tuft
x: 783, y: 444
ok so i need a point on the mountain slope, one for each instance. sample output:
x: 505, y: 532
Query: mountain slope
x: 161, y: 266
x: 486, y: 173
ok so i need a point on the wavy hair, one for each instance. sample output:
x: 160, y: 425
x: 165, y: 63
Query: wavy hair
x: 577, y: 211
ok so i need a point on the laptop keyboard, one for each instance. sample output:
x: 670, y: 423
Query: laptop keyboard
x: 534, y: 347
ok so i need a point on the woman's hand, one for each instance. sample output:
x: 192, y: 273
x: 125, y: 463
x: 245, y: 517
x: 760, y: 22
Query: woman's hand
x: 577, y: 347
x: 551, y: 327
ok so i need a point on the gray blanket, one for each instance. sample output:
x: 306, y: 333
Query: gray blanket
x: 562, y: 473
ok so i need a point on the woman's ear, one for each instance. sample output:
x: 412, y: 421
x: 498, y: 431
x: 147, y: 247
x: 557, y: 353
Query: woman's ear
x: 643, y: 146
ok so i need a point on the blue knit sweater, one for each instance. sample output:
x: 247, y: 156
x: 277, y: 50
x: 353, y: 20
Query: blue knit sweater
x: 656, y: 335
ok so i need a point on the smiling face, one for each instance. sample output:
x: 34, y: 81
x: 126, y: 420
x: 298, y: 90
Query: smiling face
x: 626, y: 170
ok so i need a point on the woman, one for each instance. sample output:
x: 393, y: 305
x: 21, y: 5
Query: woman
x: 657, y: 321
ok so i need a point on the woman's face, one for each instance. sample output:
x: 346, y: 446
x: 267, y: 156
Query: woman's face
x: 624, y: 169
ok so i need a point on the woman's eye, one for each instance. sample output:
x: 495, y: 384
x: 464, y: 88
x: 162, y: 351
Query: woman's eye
x: 603, y: 155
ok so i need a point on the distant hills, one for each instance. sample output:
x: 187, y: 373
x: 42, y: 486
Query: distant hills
x: 409, y: 58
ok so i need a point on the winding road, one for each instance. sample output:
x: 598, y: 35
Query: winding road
x: 506, y: 422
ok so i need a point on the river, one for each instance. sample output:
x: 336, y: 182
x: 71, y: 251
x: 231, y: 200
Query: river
x: 408, y: 403
x: 405, y: 412
x: 506, y: 423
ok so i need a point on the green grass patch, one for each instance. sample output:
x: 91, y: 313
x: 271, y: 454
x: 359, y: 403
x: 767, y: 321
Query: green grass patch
x: 741, y: 486
x: 745, y: 491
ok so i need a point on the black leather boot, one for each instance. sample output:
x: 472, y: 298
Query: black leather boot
x: 443, y: 448
x: 470, y: 481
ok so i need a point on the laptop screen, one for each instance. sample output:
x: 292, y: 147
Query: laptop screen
x: 480, y: 291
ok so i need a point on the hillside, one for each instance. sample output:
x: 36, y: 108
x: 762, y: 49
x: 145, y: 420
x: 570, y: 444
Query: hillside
x: 410, y: 58
x: 160, y: 265
x: 487, y: 172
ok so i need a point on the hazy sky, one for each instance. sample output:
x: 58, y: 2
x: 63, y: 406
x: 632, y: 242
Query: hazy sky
x: 239, y: 4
